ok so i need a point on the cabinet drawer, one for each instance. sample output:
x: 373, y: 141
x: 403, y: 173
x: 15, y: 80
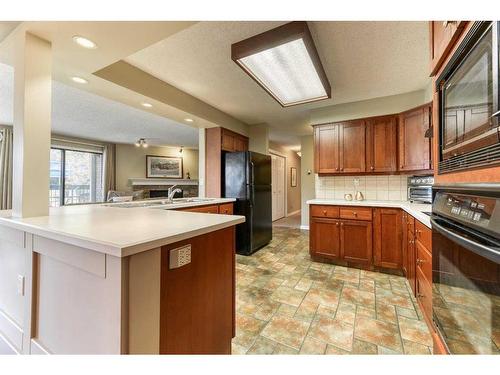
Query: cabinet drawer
x: 325, y: 211
x: 424, y: 294
x: 203, y: 209
x: 423, y: 235
x: 226, y: 209
x: 356, y: 213
x: 424, y: 261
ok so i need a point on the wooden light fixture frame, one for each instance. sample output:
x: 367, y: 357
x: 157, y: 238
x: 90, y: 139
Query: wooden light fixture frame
x: 272, y: 38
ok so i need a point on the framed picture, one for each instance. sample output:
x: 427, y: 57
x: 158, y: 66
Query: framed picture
x: 163, y: 167
x: 293, y: 178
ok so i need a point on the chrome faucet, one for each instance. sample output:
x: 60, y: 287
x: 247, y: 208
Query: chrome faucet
x: 171, y: 192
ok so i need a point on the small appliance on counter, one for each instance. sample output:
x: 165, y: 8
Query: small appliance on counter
x: 420, y: 189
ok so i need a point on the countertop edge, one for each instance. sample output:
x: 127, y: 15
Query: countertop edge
x: 404, y: 205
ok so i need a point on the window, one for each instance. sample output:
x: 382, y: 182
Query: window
x: 75, y: 177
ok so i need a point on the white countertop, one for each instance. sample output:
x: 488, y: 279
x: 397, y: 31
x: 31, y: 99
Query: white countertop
x: 414, y: 209
x: 122, y: 231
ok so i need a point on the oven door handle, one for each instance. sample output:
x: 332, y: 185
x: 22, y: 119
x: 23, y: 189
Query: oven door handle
x: 491, y: 253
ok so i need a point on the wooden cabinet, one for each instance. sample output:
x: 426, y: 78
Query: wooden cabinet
x: 381, y: 145
x: 387, y: 234
x: 414, y: 147
x: 409, y: 247
x: 325, y: 237
x: 442, y: 36
x: 381, y: 155
x: 356, y: 241
x: 232, y: 141
x: 340, y: 148
x: 226, y: 209
x: 341, y: 239
x: 352, y: 147
x: 326, y: 148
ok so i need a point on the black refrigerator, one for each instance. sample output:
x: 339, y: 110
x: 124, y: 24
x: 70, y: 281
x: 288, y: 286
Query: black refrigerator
x: 247, y: 177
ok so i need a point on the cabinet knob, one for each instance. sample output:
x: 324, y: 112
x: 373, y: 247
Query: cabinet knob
x: 355, y: 213
x: 337, y: 223
x: 420, y: 295
x: 341, y: 169
x: 400, y: 166
x: 324, y: 212
x: 341, y: 224
x: 372, y: 167
x: 336, y: 169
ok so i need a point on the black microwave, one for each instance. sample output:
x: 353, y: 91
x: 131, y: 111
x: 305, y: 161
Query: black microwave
x: 469, y: 132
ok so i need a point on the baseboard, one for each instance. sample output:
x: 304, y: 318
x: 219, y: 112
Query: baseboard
x: 304, y: 227
x: 292, y: 213
x: 6, y: 347
x: 37, y: 349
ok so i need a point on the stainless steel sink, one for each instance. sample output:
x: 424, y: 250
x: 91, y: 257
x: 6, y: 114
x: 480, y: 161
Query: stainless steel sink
x: 193, y: 200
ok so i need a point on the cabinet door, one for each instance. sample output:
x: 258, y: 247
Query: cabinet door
x: 352, y: 147
x: 325, y: 237
x: 404, y: 243
x: 414, y: 147
x: 227, y: 141
x: 442, y: 35
x: 356, y: 241
x: 381, y: 144
x: 326, y: 148
x: 387, y: 238
x: 240, y: 144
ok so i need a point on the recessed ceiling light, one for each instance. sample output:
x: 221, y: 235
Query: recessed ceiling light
x: 84, y: 42
x: 79, y: 80
x: 147, y: 105
x: 284, y: 62
x: 188, y: 119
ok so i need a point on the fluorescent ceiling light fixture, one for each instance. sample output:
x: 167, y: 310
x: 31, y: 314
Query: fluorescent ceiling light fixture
x: 188, y: 119
x: 84, y: 42
x: 284, y: 62
x: 147, y: 105
x: 79, y: 80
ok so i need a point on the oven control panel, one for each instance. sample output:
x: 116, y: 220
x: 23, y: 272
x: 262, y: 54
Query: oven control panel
x: 478, y: 211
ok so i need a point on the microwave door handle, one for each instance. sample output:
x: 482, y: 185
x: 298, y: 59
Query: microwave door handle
x: 488, y: 252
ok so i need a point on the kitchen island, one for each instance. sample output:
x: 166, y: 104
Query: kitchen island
x: 98, y: 279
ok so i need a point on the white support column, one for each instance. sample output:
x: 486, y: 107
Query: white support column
x: 32, y: 125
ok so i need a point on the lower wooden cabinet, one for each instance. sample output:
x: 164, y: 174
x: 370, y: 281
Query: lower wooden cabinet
x: 387, y: 237
x: 225, y: 209
x: 325, y: 237
x: 356, y: 241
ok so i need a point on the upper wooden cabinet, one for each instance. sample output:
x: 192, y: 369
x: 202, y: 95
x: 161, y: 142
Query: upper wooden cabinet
x: 352, y: 147
x: 414, y: 147
x: 442, y: 35
x: 381, y: 153
x: 340, y: 148
x: 232, y: 141
x: 326, y: 148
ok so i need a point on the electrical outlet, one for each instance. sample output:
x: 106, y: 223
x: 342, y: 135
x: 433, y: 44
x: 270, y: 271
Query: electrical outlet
x: 20, y: 285
x: 180, y: 256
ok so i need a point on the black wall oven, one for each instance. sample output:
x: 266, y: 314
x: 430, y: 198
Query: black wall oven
x: 466, y: 267
x: 468, y: 102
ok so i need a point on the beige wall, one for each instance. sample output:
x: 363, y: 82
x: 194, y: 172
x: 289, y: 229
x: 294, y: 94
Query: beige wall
x: 292, y: 160
x: 373, y: 107
x: 306, y: 176
x: 259, y: 138
x: 131, y: 162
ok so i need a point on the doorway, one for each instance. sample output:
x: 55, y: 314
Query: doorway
x: 278, y: 186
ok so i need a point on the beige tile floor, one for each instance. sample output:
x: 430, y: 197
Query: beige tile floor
x: 287, y: 304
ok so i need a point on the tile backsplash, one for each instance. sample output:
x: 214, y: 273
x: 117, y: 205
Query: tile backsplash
x: 386, y: 188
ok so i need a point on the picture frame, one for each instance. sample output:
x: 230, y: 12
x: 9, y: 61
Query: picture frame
x: 164, y: 166
x: 293, y: 176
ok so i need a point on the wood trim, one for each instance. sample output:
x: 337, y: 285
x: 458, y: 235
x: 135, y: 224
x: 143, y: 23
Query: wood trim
x: 213, y: 166
x: 277, y: 36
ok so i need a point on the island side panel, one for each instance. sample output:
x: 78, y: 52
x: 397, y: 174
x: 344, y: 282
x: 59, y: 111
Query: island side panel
x: 77, y: 297
x: 197, y: 299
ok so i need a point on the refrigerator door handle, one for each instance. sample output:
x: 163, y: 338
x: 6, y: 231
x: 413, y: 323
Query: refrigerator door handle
x: 252, y: 181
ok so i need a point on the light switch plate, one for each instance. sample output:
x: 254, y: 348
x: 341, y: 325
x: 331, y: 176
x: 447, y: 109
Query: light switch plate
x: 180, y: 256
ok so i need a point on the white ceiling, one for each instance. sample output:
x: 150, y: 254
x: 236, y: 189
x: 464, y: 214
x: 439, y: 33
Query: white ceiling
x: 82, y: 114
x: 363, y: 60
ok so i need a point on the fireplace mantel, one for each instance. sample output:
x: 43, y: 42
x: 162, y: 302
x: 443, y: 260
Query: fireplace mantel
x: 161, y: 181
